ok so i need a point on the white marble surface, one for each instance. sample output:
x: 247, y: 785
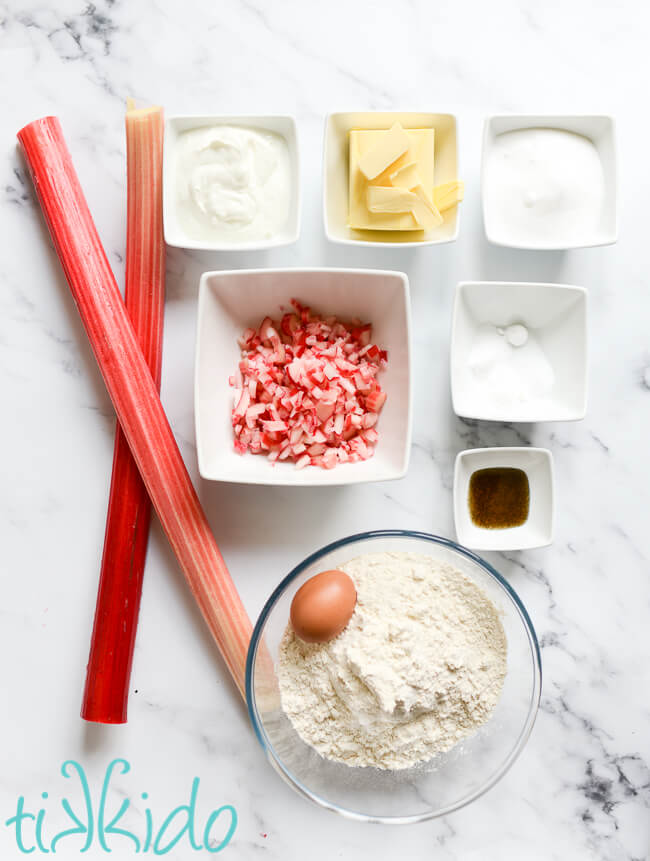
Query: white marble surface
x: 581, y: 789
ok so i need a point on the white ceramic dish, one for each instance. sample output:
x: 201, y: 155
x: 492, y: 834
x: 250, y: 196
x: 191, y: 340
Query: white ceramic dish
x: 537, y: 531
x: 174, y: 233
x: 336, y: 175
x: 600, y: 130
x: 229, y: 302
x: 556, y: 314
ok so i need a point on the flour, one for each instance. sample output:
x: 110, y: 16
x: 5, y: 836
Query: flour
x: 420, y: 666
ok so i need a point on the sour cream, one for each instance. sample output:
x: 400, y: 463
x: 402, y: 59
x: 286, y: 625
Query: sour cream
x: 543, y: 187
x: 232, y: 183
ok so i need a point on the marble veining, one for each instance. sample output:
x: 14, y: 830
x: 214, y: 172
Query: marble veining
x: 581, y: 789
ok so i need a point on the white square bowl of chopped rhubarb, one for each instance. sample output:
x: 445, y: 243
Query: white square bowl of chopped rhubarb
x: 303, y: 376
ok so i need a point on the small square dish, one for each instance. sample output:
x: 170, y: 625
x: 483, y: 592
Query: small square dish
x: 231, y: 302
x: 336, y: 175
x: 549, y: 182
x: 237, y: 190
x: 496, y: 377
x: 537, y: 529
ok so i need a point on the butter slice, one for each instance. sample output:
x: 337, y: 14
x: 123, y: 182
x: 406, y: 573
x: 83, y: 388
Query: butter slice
x: 382, y: 199
x: 424, y: 211
x: 388, y: 149
x: 448, y: 194
x: 406, y: 176
x: 420, y: 151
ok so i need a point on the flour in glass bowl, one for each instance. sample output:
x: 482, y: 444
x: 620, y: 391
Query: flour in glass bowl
x: 420, y: 666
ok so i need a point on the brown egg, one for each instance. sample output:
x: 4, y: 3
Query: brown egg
x: 323, y: 606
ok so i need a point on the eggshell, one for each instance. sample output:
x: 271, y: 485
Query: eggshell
x: 323, y: 606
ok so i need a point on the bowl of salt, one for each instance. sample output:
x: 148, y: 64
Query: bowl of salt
x: 519, y: 352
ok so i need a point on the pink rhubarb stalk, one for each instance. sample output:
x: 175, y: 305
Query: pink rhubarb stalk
x: 129, y: 508
x: 133, y: 390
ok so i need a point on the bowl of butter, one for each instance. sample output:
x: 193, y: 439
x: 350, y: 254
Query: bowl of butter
x: 391, y: 178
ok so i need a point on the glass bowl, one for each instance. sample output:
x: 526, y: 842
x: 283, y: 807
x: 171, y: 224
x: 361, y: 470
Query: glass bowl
x: 430, y: 789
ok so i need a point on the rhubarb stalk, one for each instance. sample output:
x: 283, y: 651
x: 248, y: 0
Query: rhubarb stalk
x: 132, y: 389
x: 108, y: 673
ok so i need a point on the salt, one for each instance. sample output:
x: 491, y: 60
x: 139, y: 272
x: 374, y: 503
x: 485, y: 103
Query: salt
x: 508, y: 368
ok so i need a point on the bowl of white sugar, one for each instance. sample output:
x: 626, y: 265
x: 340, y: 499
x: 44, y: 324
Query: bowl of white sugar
x: 549, y: 182
x: 420, y: 704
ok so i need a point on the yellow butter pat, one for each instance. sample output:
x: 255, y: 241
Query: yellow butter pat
x: 406, y: 176
x: 420, y: 152
x: 448, y: 194
x: 424, y: 211
x: 388, y: 149
x: 387, y: 199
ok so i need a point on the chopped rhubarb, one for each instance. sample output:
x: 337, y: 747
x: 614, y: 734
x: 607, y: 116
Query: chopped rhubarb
x: 308, y: 390
x: 129, y: 508
x: 133, y: 390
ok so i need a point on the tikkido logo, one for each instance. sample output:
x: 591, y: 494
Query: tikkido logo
x: 95, y: 825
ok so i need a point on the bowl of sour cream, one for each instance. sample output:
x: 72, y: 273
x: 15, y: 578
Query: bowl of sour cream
x: 549, y: 182
x: 231, y: 183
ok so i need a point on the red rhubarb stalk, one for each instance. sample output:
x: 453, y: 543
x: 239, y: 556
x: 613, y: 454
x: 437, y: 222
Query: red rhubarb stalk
x: 133, y: 390
x: 129, y: 508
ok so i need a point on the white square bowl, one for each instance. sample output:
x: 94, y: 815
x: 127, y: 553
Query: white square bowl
x: 336, y: 171
x: 229, y: 302
x: 537, y: 531
x: 556, y: 314
x: 600, y: 130
x: 285, y: 126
